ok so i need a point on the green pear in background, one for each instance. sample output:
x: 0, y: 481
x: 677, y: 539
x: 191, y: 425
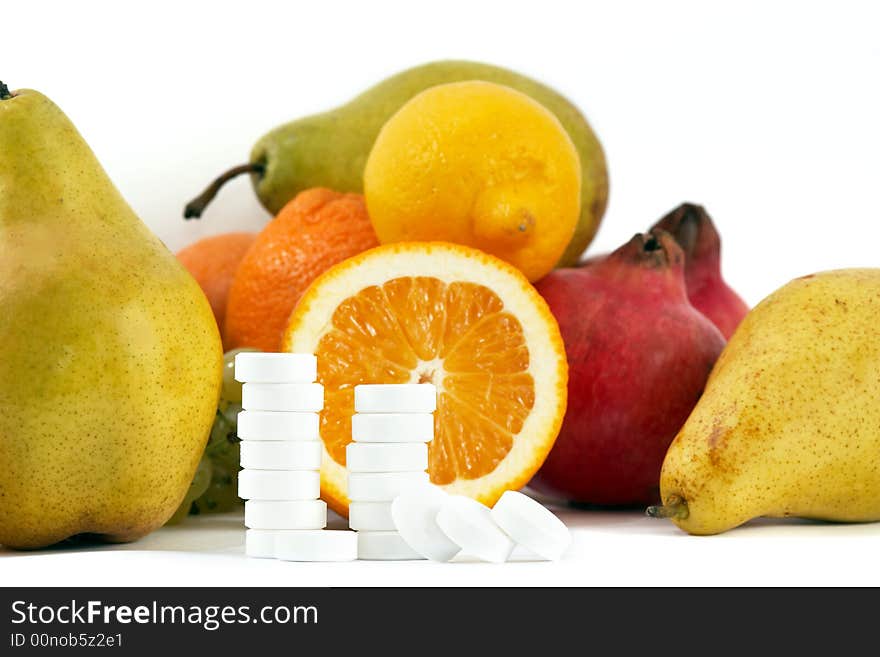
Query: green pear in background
x: 110, y: 359
x: 330, y: 149
x: 789, y: 423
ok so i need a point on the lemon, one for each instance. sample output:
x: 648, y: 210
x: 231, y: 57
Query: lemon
x: 478, y: 164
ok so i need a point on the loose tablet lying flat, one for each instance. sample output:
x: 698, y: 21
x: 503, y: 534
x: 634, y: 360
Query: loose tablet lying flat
x: 266, y: 367
x: 279, y: 485
x: 282, y: 455
x: 384, y: 546
x: 381, y: 486
x: 296, y: 397
x: 395, y: 398
x: 317, y: 545
x: 285, y: 514
x: 259, y: 543
x: 469, y: 524
x: 532, y: 525
x: 392, y: 427
x: 274, y: 425
x: 414, y: 513
x: 393, y: 457
x: 370, y: 516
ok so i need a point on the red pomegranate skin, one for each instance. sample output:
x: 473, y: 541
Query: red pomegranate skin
x: 639, y: 355
x: 695, y: 233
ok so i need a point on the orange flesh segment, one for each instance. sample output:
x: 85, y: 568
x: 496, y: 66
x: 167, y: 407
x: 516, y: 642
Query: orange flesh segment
x: 401, y: 332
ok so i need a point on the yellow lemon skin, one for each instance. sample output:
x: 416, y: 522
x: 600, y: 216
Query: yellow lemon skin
x: 479, y: 164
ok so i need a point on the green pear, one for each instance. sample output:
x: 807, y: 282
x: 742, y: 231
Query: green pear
x: 110, y: 358
x: 789, y: 422
x: 331, y: 149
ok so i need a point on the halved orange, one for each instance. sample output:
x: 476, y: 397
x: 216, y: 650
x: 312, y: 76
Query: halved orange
x: 457, y: 317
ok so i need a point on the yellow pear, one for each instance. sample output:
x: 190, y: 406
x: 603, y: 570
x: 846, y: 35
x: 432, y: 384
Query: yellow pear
x: 110, y: 358
x: 789, y: 423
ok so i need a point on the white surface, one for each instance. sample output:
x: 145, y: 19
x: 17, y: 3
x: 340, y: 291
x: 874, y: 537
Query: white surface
x: 395, y: 398
x: 392, y: 427
x: 609, y: 549
x: 268, y: 367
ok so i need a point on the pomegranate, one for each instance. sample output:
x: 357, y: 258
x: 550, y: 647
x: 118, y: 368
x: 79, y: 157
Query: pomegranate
x: 695, y: 233
x: 639, y: 355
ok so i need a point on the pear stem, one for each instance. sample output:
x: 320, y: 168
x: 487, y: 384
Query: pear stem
x: 675, y: 508
x: 4, y: 92
x: 196, y: 207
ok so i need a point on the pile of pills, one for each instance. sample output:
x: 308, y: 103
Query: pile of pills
x: 397, y: 514
x: 390, y: 431
x: 440, y: 526
x: 281, y: 453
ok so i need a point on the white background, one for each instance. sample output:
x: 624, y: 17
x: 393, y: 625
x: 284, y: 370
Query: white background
x: 766, y: 113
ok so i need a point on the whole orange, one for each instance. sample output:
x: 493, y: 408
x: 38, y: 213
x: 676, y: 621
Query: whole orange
x: 313, y: 232
x: 212, y: 261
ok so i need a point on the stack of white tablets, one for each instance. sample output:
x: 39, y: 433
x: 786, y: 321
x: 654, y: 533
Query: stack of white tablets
x: 281, y: 454
x: 390, y: 429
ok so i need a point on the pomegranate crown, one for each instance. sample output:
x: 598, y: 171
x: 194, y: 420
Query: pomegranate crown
x: 648, y: 259
x: 655, y: 249
x: 693, y: 229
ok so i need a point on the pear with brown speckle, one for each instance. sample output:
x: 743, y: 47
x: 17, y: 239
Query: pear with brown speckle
x: 110, y: 358
x: 789, y: 423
